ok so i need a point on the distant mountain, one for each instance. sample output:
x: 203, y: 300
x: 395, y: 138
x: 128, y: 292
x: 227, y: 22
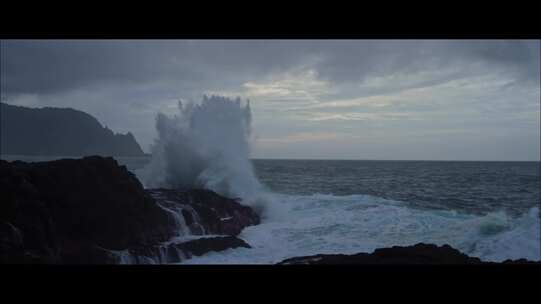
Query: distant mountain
x: 58, y: 132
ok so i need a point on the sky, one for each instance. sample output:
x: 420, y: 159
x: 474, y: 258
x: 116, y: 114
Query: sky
x: 319, y: 99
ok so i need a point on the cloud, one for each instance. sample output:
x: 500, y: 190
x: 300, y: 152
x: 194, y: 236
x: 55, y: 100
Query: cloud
x: 303, y: 137
x: 302, y: 91
x: 52, y: 66
x: 322, y: 116
x: 301, y: 85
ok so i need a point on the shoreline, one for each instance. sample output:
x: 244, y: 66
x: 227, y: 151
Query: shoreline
x: 94, y: 211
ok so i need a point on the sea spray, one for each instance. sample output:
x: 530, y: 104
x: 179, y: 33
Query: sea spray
x: 349, y: 224
x: 207, y: 145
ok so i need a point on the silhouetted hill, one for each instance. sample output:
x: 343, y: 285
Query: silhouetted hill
x: 57, y: 131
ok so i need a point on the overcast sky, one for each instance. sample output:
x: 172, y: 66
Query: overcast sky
x: 338, y: 99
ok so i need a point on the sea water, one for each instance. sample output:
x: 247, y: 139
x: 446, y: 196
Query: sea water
x: 485, y: 209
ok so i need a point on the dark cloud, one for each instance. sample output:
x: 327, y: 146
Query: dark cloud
x: 354, y: 60
x: 53, y: 66
x: 311, y: 90
x: 48, y: 67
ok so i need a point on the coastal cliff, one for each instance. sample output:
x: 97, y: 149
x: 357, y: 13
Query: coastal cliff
x: 58, y: 131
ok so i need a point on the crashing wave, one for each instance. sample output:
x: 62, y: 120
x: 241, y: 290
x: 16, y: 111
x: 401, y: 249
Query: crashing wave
x: 332, y: 224
x: 206, y: 145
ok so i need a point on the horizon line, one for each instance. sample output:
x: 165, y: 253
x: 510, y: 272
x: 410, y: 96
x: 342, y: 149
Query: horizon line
x: 282, y: 158
x: 365, y: 159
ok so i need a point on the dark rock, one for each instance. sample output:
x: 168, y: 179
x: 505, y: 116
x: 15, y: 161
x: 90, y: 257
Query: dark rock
x: 396, y: 255
x: 424, y: 254
x: 176, y: 252
x: 93, y: 200
x: 520, y: 261
x: 201, y: 246
x: 85, y: 211
x: 213, y: 213
x: 84, y: 252
x: 188, y: 217
x: 11, y: 243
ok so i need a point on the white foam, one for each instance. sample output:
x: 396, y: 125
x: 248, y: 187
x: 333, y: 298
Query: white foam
x: 360, y: 223
x: 206, y: 145
x: 521, y: 239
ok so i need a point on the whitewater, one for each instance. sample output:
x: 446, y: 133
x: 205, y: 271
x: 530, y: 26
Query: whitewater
x: 207, y: 145
x: 326, y: 224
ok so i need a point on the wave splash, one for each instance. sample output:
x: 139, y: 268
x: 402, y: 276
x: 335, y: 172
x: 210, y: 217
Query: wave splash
x: 331, y: 224
x: 206, y: 145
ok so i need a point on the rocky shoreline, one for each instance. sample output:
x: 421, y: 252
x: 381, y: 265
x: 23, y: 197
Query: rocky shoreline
x: 418, y: 254
x: 93, y: 211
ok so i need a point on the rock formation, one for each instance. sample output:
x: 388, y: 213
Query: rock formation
x: 92, y: 210
x: 419, y: 254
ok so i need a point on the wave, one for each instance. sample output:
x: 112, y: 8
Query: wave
x: 206, y: 145
x: 361, y: 223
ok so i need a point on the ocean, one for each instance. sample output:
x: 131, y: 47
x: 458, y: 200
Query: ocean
x: 485, y: 209
x: 464, y: 186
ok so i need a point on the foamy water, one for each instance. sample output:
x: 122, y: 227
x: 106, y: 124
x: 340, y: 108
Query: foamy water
x: 359, y: 223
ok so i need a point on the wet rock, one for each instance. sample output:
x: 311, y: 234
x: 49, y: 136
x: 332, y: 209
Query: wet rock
x: 410, y: 255
x: 176, y: 252
x: 206, y: 212
x: 83, y: 211
x: 92, y: 198
x: 11, y: 243
x: 201, y: 246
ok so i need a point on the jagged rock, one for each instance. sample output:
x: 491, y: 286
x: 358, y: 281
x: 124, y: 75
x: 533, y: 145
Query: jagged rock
x: 91, y: 199
x: 520, y: 261
x: 11, y: 243
x: 206, y: 212
x: 176, y: 252
x: 396, y: 255
x: 84, y: 210
x: 201, y: 246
